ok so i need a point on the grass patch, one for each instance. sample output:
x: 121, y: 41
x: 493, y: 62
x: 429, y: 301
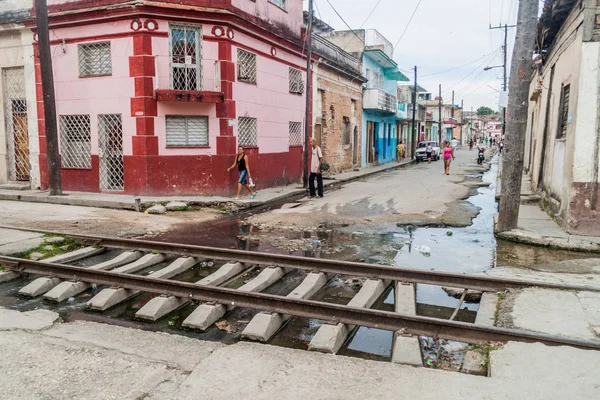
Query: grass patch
x: 2, y: 269
x: 54, y: 249
x: 485, y: 350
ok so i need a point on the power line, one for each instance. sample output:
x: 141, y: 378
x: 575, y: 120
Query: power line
x: 408, y: 24
x: 460, y: 66
x: 344, y: 21
x: 478, y: 68
x: 371, y: 13
x: 318, y: 11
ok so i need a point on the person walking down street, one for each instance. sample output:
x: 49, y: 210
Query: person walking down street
x: 471, y: 144
x: 454, y: 146
x: 315, y: 170
x: 501, y: 146
x: 447, y: 158
x: 486, y: 141
x: 429, y: 152
x: 400, y: 151
x: 241, y: 160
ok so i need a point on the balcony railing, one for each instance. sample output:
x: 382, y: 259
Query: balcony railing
x: 378, y: 99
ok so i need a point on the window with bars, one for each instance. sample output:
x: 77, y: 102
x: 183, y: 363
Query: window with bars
x: 247, y: 131
x: 296, y: 84
x: 563, y: 118
x: 279, y: 3
x: 185, y: 52
x: 75, y: 141
x: 95, y: 59
x: 295, y: 133
x: 246, y: 63
x: 187, y: 131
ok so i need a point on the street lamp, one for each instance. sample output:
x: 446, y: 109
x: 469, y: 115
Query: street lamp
x: 497, y: 66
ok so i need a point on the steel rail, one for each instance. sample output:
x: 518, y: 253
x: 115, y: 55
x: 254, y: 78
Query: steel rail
x: 327, y: 312
x: 373, y: 271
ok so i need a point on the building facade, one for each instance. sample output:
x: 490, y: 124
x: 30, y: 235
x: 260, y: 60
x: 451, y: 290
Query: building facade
x: 154, y: 98
x: 19, y: 146
x: 562, y: 153
x: 380, y: 104
x: 337, y: 103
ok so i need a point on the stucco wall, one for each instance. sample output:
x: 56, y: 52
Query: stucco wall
x: 290, y: 19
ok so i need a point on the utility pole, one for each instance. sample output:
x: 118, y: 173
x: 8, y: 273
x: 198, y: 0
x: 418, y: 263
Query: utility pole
x: 505, y: 65
x: 462, y: 120
x: 520, y: 79
x: 41, y: 14
x: 440, y: 118
x: 413, y: 145
x: 307, y: 117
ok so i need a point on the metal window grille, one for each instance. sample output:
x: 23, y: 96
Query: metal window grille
x: 185, y: 52
x: 95, y: 59
x: 279, y: 3
x: 296, y: 84
x: 75, y: 141
x: 564, y: 111
x: 246, y: 66
x: 185, y: 131
x: 110, y: 136
x: 247, y: 131
x: 295, y: 133
x: 15, y: 116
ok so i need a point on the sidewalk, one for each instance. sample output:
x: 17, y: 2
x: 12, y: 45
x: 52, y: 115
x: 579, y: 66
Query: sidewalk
x: 265, y: 197
x: 537, y: 228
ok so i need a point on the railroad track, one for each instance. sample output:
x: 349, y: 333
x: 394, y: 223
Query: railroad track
x: 59, y: 281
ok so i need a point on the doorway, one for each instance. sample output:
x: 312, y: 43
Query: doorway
x: 110, y: 138
x: 355, y: 147
x: 371, y: 129
x: 15, y: 115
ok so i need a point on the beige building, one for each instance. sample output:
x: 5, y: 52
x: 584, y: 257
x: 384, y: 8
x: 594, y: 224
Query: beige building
x: 562, y: 153
x: 19, y: 144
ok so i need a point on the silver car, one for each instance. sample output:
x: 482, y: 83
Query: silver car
x: 421, y: 155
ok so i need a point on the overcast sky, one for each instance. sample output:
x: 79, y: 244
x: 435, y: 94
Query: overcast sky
x: 443, y: 35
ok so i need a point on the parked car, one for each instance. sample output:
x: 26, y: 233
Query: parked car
x: 420, y: 154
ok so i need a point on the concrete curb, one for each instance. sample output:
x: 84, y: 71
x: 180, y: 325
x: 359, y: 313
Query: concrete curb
x: 552, y: 242
x: 43, y: 197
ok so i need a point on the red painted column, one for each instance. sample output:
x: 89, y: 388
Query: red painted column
x: 226, y: 111
x: 144, y: 108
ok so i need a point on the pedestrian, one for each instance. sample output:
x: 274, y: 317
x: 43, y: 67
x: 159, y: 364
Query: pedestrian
x: 315, y: 170
x: 454, y: 146
x: 447, y: 158
x: 486, y: 141
x: 501, y: 146
x: 241, y: 160
x: 429, y: 151
x: 471, y: 144
x: 400, y: 151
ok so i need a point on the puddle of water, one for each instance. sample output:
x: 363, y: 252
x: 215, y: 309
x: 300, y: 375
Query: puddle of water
x: 517, y: 255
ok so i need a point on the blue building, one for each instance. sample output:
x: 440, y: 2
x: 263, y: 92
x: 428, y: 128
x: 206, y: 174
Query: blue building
x: 380, y: 104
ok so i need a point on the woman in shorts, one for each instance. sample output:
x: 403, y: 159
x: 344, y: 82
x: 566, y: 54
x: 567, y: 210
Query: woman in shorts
x: 447, y: 158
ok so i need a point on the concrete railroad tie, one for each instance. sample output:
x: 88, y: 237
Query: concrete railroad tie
x: 406, y: 349
x: 330, y: 338
x: 264, y: 325
x: 160, y: 306
x: 207, y: 314
x: 42, y: 285
x: 110, y: 297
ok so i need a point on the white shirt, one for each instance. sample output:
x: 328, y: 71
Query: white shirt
x: 454, y: 143
x: 314, y: 162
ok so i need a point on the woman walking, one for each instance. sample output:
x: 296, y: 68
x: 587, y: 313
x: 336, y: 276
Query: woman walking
x: 447, y: 158
x: 241, y: 160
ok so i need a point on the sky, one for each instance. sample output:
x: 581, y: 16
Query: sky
x: 448, y: 40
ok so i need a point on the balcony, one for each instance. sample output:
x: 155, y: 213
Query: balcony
x: 379, y: 100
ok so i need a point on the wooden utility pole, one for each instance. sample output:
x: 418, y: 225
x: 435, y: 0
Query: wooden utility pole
x: 505, y: 67
x: 307, y: 117
x: 462, y: 120
x: 440, y: 118
x: 41, y: 14
x: 520, y: 79
x: 413, y: 145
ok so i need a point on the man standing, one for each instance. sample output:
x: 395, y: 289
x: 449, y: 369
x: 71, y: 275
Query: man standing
x: 315, y: 170
x: 454, y: 146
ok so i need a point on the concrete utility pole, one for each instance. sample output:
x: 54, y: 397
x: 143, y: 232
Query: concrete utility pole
x: 462, y: 120
x: 440, y: 117
x: 307, y: 116
x: 41, y: 14
x: 413, y: 145
x: 505, y: 67
x: 520, y: 79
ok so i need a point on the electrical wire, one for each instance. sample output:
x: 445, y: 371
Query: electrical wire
x: 371, y: 13
x: 455, y: 68
x: 478, y: 68
x: 318, y: 11
x: 408, y: 24
x: 344, y: 21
